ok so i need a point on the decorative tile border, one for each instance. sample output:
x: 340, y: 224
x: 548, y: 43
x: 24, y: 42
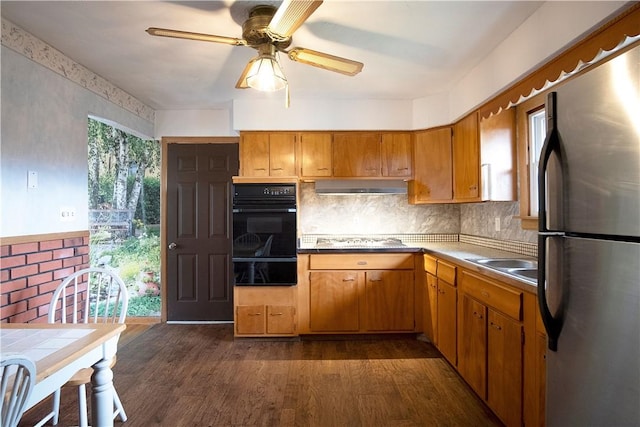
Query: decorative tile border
x: 524, y: 248
x: 17, y: 39
x: 310, y: 239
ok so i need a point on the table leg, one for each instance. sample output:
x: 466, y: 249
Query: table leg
x: 102, y: 394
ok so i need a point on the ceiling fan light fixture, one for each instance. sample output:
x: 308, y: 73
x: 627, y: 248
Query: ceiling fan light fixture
x: 265, y: 73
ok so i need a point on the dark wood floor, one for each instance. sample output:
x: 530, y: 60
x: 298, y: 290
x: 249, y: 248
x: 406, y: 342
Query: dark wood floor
x: 198, y: 375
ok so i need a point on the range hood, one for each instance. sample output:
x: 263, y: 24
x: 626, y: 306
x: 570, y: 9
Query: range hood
x: 365, y: 186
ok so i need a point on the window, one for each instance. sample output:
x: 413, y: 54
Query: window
x: 537, y: 133
x: 531, y: 125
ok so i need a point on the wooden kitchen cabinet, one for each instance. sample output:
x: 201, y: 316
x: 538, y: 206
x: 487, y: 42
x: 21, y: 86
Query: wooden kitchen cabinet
x: 433, y: 172
x: 316, y: 158
x: 268, y: 154
x: 359, y: 293
x: 441, y: 320
x: 466, y: 159
x: 498, y: 156
x: 334, y: 301
x: 356, y: 154
x: 264, y: 311
x: 396, y: 154
x: 491, y: 344
x: 389, y: 300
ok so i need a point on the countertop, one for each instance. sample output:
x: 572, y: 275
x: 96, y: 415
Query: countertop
x: 455, y: 252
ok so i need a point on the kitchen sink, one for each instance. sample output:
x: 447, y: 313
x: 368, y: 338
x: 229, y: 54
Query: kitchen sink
x: 507, y: 263
x: 521, y: 268
x: 525, y: 273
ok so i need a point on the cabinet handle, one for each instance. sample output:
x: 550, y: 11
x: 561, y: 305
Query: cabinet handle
x: 276, y: 169
x: 478, y: 315
x: 260, y: 169
x: 350, y: 279
x: 496, y: 326
x: 473, y: 187
x: 402, y: 169
x: 362, y: 262
x: 323, y: 169
x: 276, y: 314
x: 255, y: 314
x: 375, y: 280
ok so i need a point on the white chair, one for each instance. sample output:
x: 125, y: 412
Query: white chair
x: 18, y: 375
x: 91, y: 295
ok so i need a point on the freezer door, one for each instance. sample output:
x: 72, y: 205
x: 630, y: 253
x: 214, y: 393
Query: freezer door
x: 599, y: 126
x: 594, y: 377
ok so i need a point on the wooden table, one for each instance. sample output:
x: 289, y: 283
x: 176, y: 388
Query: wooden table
x: 59, y: 351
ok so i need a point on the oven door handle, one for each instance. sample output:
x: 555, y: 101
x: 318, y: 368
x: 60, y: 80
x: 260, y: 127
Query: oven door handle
x: 264, y: 210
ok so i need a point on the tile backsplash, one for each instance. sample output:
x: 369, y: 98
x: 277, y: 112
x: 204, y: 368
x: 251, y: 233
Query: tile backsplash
x: 372, y: 214
x: 363, y: 214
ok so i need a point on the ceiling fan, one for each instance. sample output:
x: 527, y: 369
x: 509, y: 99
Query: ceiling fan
x: 268, y: 30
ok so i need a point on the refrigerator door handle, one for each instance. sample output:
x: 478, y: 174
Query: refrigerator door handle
x: 551, y: 145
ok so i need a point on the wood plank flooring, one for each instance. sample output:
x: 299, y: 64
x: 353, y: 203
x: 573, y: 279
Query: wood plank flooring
x: 199, y: 375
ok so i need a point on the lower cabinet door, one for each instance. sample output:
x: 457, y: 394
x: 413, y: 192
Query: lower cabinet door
x: 504, y: 368
x: 280, y: 319
x: 334, y: 301
x: 447, y: 321
x: 389, y: 300
x: 472, y: 352
x: 250, y: 319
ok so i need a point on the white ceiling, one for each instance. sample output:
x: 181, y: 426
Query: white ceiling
x: 410, y: 49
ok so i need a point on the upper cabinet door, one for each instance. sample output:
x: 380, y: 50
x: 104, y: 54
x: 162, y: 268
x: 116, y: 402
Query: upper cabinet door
x: 282, y: 154
x: 433, y: 174
x: 466, y: 159
x: 498, y: 152
x: 356, y: 154
x: 315, y: 153
x: 396, y: 154
x: 254, y: 154
x: 264, y: 154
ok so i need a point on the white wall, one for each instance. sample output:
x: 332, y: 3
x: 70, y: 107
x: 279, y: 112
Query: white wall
x: 193, y: 123
x: 44, y: 129
x: 553, y: 26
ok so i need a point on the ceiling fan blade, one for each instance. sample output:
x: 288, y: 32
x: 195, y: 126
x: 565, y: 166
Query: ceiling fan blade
x: 164, y: 32
x: 242, y: 81
x: 289, y: 16
x: 326, y: 61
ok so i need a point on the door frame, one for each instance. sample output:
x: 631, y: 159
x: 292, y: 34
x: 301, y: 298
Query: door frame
x: 165, y: 141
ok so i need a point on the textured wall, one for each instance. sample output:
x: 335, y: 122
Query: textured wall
x: 391, y: 214
x: 372, y: 214
x: 478, y: 219
x: 44, y: 129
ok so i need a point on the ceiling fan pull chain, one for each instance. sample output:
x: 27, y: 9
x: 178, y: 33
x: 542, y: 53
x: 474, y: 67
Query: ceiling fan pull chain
x: 287, y: 101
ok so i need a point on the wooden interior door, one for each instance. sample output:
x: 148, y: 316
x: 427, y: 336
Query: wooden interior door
x: 199, y: 231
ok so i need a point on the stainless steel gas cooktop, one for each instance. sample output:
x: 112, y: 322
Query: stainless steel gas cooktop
x: 358, y: 242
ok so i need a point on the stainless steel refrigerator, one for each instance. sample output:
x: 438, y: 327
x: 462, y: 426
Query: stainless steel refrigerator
x: 589, y: 247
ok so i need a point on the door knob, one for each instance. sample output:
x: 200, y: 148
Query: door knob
x: 172, y: 246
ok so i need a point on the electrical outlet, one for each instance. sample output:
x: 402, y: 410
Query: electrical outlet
x: 67, y: 214
x: 497, y: 223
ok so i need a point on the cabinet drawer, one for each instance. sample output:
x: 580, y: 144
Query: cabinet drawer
x: 506, y: 300
x: 430, y: 264
x: 447, y: 272
x: 361, y: 262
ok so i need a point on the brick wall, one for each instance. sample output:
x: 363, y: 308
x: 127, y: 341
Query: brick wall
x: 31, y: 270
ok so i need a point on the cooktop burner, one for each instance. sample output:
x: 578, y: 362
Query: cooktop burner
x: 359, y: 242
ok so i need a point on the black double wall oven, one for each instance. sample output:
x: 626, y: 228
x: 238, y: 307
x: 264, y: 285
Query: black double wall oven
x: 264, y: 235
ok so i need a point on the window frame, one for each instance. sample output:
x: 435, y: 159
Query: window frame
x: 523, y: 111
